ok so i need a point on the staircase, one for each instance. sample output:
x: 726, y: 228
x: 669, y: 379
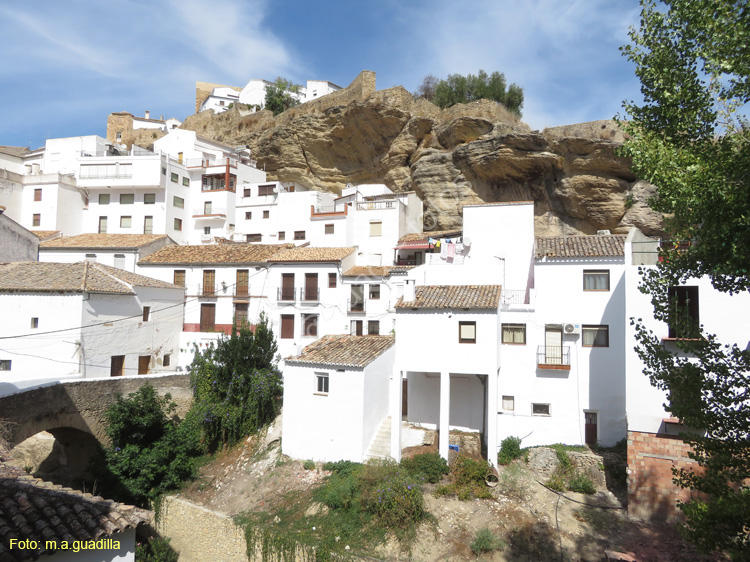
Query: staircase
x: 380, y: 448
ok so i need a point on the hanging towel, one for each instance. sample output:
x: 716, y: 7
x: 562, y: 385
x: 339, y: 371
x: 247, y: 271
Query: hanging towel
x: 451, y: 250
x: 459, y: 248
x: 444, y: 250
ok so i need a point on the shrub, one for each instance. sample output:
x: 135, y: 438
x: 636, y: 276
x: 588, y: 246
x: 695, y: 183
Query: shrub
x: 485, y: 541
x: 430, y: 465
x: 582, y: 484
x: 339, y: 492
x: 557, y: 482
x: 155, y: 549
x: 342, y: 467
x: 308, y: 465
x: 467, y: 479
x: 510, y: 449
x: 393, y: 495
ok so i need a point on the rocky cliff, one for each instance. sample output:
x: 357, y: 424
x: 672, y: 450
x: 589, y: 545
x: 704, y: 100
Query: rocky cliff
x: 469, y: 153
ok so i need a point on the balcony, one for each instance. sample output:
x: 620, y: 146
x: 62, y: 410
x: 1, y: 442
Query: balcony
x: 327, y: 211
x: 311, y: 296
x: 207, y: 290
x: 241, y: 291
x: 377, y: 205
x: 210, y: 213
x: 552, y: 357
x: 210, y: 164
x: 286, y: 295
x: 355, y: 307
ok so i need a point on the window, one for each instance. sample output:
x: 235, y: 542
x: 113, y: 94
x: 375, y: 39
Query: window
x: 207, y: 208
x: 595, y: 336
x: 247, y: 192
x: 120, y: 261
x: 240, y: 314
x: 356, y: 327
x: 125, y: 222
x: 282, y: 235
x: 299, y: 234
x: 242, y: 282
x: 36, y: 220
x: 116, y: 365
x: 179, y: 277
x: 509, y: 403
x: 332, y: 280
x: 375, y: 292
x: 287, y: 326
x: 208, y: 317
x: 373, y: 327
x: 357, y: 298
x: 596, y: 280
x: 186, y: 181
x: 163, y: 171
x: 376, y: 228
x: 321, y: 383
x: 266, y: 214
x: 179, y: 157
x: 514, y: 333
x: 221, y: 102
x: 149, y: 198
x: 265, y: 189
x: 127, y: 198
x: 207, y: 230
x: 467, y: 332
x: 91, y: 257
x: 254, y: 238
x: 310, y: 325
x: 248, y: 215
x: 5, y: 364
x: 118, y: 137
x: 684, y: 318
x: 143, y: 363
x: 148, y: 225
x: 104, y: 198
x: 540, y: 409
x: 329, y: 229
x: 38, y: 194
x: 178, y: 224
x: 178, y: 202
x: 146, y: 313
x: 209, y: 281
x: 174, y: 177
x: 34, y: 323
x: 167, y: 360
x: 102, y: 225
x: 311, y: 287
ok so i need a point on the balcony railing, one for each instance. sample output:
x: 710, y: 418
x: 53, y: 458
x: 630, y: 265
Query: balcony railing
x: 213, y: 212
x: 355, y: 307
x: 207, y: 290
x: 514, y: 297
x: 310, y: 296
x: 553, y: 357
x: 286, y: 295
x: 241, y: 291
x: 376, y: 205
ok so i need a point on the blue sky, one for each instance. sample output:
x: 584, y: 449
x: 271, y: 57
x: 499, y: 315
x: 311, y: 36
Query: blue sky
x: 65, y: 65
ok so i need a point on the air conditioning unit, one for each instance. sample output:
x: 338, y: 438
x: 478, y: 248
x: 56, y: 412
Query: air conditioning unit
x: 572, y: 329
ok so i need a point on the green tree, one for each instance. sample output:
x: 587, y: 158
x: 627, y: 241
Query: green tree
x: 236, y: 384
x: 279, y: 95
x: 689, y: 137
x: 463, y: 89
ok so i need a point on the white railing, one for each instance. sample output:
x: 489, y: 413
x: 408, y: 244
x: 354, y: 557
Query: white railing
x: 514, y: 297
x: 376, y: 205
x: 213, y: 211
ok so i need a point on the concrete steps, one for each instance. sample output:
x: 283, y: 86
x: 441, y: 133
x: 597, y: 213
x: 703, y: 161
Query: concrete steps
x: 380, y: 448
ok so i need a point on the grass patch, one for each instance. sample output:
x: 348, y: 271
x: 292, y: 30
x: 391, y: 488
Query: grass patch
x: 566, y: 477
x: 485, y: 541
x: 308, y: 465
x: 466, y: 480
x: 512, y: 483
x: 357, y: 506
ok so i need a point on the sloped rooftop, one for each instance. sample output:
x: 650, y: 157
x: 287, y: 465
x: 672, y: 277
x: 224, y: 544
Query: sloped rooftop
x: 418, y: 236
x: 376, y: 270
x: 600, y: 245
x: 33, y: 509
x: 477, y: 297
x: 213, y: 254
x: 103, y: 241
x: 344, y: 350
x: 311, y: 254
x: 47, y: 277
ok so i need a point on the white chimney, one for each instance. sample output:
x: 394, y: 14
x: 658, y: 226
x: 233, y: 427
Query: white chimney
x: 409, y: 290
x: 148, y: 114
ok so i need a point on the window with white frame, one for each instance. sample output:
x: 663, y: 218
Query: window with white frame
x: 178, y: 202
x: 321, y: 383
x: 376, y: 228
x: 125, y: 222
x: 374, y: 291
x: 596, y: 279
x: 509, y: 403
x: 514, y: 334
x: 127, y: 198
x: 595, y: 335
x: 540, y: 410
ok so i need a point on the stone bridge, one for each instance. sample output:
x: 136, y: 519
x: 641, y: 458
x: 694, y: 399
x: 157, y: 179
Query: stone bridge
x: 67, y: 408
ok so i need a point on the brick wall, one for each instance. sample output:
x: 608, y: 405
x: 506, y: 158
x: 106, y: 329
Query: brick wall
x: 651, y: 493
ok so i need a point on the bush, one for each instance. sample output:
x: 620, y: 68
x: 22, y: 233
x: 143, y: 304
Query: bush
x: 342, y: 467
x: 467, y: 479
x: 557, y: 482
x: 392, y: 494
x: 430, y: 465
x: 485, y: 541
x: 156, y: 549
x: 582, y: 484
x: 308, y: 465
x: 510, y: 450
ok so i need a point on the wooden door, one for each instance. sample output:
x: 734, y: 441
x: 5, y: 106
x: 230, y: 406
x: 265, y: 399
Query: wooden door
x: 287, y: 326
x: 404, y: 399
x: 241, y: 287
x: 553, y: 345
x: 287, y: 286
x: 311, y: 287
x: 116, y: 365
x: 590, y: 428
x: 143, y: 363
x: 208, y: 317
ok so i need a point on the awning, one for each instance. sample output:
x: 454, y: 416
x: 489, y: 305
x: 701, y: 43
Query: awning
x: 416, y: 245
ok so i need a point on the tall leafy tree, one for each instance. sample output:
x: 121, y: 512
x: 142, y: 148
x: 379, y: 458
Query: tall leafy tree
x: 280, y: 95
x: 690, y: 138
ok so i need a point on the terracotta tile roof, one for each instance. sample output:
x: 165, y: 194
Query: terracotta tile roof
x: 454, y: 296
x: 344, y: 350
x: 213, y: 254
x: 416, y: 236
x: 14, y: 150
x: 103, y: 241
x: 376, y: 270
x: 44, y: 234
x: 311, y: 254
x: 600, y: 245
x: 40, y: 511
x: 46, y: 277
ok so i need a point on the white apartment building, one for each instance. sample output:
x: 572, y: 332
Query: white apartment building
x: 254, y: 94
x: 83, y: 320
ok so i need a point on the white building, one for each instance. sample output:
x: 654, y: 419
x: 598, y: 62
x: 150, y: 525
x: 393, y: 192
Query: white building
x: 16, y: 243
x: 121, y: 251
x: 220, y: 99
x: 84, y: 320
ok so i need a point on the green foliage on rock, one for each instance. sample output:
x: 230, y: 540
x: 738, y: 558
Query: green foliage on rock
x: 690, y: 138
x: 510, y: 450
x: 236, y: 384
x: 457, y: 88
x: 279, y: 95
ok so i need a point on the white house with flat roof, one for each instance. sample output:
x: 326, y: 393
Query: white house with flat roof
x: 336, y: 395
